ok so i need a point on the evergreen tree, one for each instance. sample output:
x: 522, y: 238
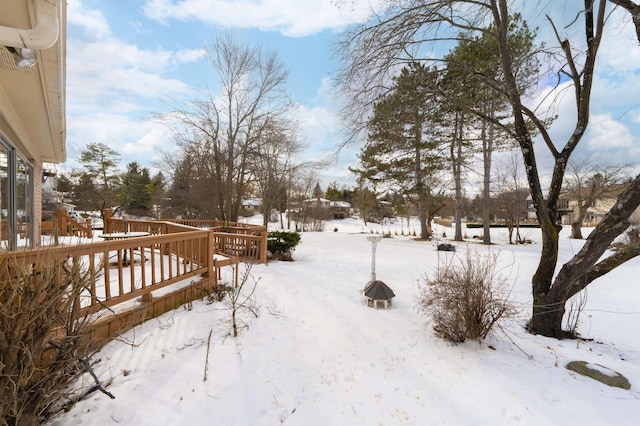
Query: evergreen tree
x: 333, y: 193
x: 99, y: 183
x: 473, y: 67
x: 137, y: 189
x: 403, y: 146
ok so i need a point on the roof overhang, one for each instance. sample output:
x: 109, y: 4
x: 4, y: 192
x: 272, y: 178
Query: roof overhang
x: 32, y: 99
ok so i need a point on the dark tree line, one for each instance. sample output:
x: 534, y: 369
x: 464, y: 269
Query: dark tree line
x: 100, y: 184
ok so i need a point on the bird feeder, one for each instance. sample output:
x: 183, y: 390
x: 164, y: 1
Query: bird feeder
x: 377, y: 291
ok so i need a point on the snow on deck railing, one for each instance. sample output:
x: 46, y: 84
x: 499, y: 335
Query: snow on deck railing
x: 172, y: 253
x: 245, y: 241
x: 130, y: 268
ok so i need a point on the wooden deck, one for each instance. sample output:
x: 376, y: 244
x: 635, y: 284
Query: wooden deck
x: 176, y: 263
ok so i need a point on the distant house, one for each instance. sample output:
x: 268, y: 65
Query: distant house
x: 335, y: 209
x: 568, y: 208
x: 32, y: 111
x: 595, y: 212
x: 340, y: 209
x: 252, y: 202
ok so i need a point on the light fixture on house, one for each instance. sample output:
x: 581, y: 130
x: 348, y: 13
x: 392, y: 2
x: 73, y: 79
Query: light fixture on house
x: 24, y: 57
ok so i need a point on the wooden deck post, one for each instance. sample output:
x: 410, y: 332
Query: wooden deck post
x: 263, y: 247
x: 62, y: 224
x: 210, y: 261
x: 107, y: 214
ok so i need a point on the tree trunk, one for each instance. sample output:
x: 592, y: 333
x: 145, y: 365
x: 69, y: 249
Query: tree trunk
x: 586, y: 266
x: 576, y: 231
x: 422, y: 215
x: 288, y: 201
x: 548, y: 309
x: 424, y: 229
x: 456, y: 158
x: 543, y: 313
x: 547, y: 317
x: 265, y: 216
x: 419, y: 176
x: 487, y: 150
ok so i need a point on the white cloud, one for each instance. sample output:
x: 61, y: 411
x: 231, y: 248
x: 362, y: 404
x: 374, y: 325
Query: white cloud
x: 93, y: 22
x: 93, y: 80
x: 111, y: 87
x: 101, y: 67
x: 320, y: 127
x: 149, y: 144
x: 322, y: 133
x: 134, y: 139
x: 190, y: 55
x: 109, y: 74
x: 619, y: 48
x: 290, y: 17
x: 606, y: 134
x: 558, y: 102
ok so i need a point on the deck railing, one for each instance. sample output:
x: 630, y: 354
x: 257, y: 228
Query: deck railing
x: 69, y: 226
x: 131, y: 268
x: 245, y: 241
x: 248, y: 245
x: 217, y: 224
x: 127, y: 269
x: 245, y: 247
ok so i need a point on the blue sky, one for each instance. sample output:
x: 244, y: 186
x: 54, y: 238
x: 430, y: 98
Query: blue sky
x: 127, y: 58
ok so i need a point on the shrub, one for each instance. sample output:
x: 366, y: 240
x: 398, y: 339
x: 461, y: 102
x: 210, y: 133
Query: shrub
x: 465, y: 300
x: 282, y: 243
x: 43, y: 348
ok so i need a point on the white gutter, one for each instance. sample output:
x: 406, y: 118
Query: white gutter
x: 42, y: 36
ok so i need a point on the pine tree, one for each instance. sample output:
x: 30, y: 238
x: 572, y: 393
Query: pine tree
x: 403, y: 146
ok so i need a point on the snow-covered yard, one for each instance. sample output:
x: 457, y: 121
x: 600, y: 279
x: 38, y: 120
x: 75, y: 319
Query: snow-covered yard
x: 317, y: 355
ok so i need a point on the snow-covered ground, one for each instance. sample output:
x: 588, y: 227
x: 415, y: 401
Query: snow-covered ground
x: 318, y: 355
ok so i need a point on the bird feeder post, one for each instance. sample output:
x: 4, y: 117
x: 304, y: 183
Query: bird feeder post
x: 374, y: 241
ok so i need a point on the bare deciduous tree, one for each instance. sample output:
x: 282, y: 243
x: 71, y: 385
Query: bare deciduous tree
x: 224, y: 128
x: 241, y: 301
x: 273, y: 162
x: 586, y: 182
x: 511, y: 200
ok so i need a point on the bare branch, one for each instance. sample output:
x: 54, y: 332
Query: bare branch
x: 613, y: 224
x: 634, y: 10
x: 610, y: 263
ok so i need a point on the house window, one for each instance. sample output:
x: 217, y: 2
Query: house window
x: 5, y: 230
x: 16, y: 198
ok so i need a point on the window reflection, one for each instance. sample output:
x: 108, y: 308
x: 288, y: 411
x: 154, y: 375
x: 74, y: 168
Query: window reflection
x: 24, y: 211
x: 5, y: 232
x: 16, y: 199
